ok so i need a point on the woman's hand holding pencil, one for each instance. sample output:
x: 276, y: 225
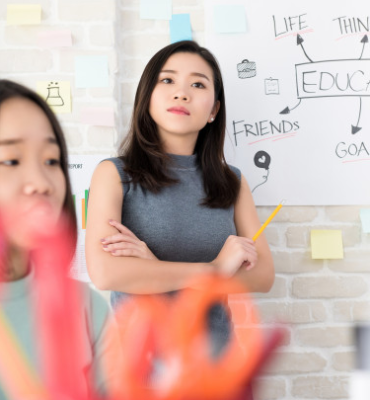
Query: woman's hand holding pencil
x: 237, y: 252
x: 240, y: 252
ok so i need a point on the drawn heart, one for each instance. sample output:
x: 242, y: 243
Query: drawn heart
x: 262, y: 159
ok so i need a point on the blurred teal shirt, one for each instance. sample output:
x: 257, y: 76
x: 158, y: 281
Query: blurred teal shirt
x: 16, y: 301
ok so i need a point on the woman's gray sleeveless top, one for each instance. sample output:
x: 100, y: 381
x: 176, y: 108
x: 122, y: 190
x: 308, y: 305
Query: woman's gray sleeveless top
x: 176, y: 227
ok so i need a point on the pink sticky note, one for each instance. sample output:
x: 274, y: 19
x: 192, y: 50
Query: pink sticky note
x: 59, y: 38
x: 103, y: 116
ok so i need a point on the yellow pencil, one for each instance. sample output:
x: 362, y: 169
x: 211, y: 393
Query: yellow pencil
x: 255, y: 237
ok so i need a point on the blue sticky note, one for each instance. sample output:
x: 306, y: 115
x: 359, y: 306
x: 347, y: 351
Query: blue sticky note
x: 180, y: 27
x: 91, y: 71
x: 365, y: 219
x: 229, y: 18
x: 155, y: 9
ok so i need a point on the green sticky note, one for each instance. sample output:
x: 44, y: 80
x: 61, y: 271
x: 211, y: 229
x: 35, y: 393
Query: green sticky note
x: 326, y: 244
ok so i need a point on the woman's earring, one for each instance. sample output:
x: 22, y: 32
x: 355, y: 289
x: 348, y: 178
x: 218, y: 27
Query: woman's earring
x: 212, y: 119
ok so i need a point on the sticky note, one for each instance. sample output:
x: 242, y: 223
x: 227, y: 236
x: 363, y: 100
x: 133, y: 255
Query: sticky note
x: 91, y: 71
x: 57, y: 94
x: 57, y: 38
x: 156, y: 9
x: 102, y: 116
x: 365, y: 219
x: 23, y: 14
x: 326, y: 244
x: 229, y: 18
x: 180, y: 27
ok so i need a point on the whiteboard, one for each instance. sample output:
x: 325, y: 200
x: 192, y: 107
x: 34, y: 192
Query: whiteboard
x: 81, y: 168
x: 297, y: 88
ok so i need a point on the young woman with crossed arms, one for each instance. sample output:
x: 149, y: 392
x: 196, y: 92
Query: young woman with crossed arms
x: 169, y: 208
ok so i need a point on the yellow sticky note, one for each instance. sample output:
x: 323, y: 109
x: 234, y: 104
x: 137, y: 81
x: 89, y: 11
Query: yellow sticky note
x: 23, y: 14
x: 326, y: 244
x: 57, y: 94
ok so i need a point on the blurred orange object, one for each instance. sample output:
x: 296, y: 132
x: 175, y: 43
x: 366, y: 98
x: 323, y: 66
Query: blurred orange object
x: 163, y: 351
x: 167, y: 351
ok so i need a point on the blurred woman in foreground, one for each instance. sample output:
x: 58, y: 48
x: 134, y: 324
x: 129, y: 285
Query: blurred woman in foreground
x: 35, y: 192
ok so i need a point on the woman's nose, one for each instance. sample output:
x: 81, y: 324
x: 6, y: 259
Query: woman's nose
x: 37, y: 182
x: 181, y: 94
x: 181, y: 97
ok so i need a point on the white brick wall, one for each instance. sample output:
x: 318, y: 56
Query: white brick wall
x: 319, y: 301
x: 92, y: 24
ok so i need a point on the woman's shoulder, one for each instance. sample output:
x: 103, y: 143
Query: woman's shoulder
x: 117, y: 161
x: 111, y: 164
x: 109, y: 169
x: 236, y: 171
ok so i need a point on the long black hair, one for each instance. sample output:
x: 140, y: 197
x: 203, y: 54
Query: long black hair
x: 144, y: 158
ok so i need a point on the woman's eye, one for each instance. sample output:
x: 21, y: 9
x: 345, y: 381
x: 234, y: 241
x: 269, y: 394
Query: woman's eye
x: 53, y: 161
x: 167, y: 80
x: 9, y: 163
x: 198, y: 85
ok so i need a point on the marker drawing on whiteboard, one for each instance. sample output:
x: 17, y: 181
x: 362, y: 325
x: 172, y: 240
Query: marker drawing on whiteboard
x: 262, y: 160
x: 333, y: 78
x: 272, y: 86
x: 246, y: 69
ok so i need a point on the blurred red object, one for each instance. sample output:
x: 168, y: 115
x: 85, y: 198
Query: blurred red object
x: 167, y: 350
x: 59, y: 337
x: 164, y: 343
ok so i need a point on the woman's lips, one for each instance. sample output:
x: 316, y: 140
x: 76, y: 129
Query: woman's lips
x: 179, y: 110
x: 38, y: 210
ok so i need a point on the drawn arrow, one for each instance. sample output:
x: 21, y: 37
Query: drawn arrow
x: 287, y: 110
x: 364, y: 40
x: 299, y: 42
x: 357, y: 128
